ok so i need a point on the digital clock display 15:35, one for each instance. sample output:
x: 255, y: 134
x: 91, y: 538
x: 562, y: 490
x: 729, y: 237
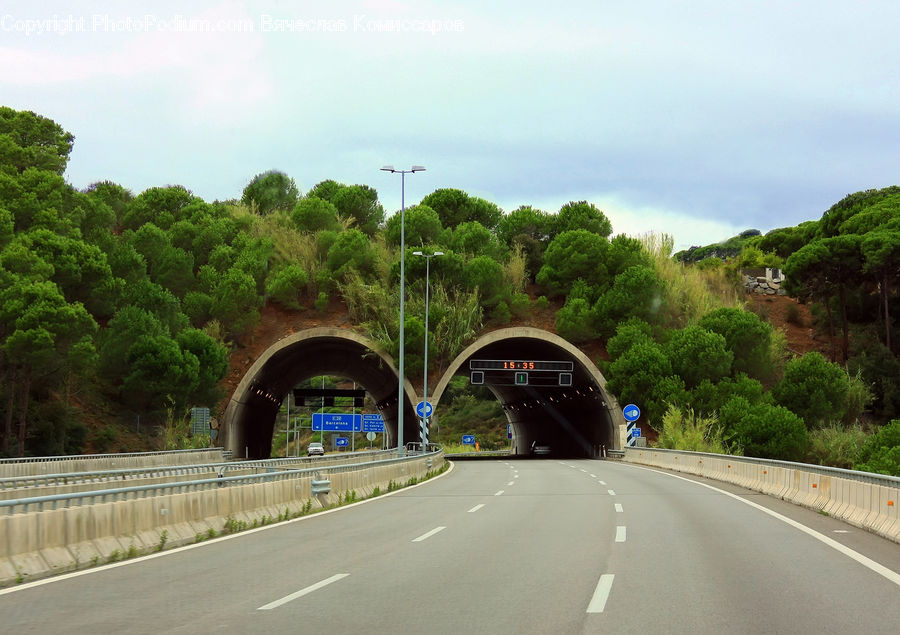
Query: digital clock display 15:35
x: 519, y: 364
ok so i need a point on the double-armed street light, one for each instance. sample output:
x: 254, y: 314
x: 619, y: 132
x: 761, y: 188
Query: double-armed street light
x: 426, y: 415
x: 400, y: 397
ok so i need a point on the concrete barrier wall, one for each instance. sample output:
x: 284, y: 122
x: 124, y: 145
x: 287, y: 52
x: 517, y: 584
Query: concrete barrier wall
x: 88, y: 463
x: 38, y: 544
x: 871, y: 506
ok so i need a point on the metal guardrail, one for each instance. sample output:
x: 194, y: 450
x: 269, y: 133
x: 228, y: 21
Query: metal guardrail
x: 853, y: 475
x: 79, y: 457
x: 41, y: 503
x: 125, y: 474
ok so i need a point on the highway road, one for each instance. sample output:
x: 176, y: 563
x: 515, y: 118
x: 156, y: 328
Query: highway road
x: 517, y: 546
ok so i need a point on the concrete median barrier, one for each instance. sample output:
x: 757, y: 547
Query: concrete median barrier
x: 40, y: 543
x: 868, y: 501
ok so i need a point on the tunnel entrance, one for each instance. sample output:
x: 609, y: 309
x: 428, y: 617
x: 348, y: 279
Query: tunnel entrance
x: 251, y: 413
x: 553, y: 396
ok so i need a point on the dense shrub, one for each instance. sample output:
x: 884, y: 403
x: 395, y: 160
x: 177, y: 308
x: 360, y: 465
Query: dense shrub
x: 814, y: 389
x: 881, y: 453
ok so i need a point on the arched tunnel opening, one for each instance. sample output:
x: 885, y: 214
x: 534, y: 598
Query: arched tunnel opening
x: 557, y: 401
x: 251, y: 414
x: 553, y: 396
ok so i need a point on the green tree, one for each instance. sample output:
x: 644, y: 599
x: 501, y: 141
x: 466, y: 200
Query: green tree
x: 814, y: 389
x: 213, y: 364
x: 574, y: 321
x: 421, y: 225
x: 747, y: 337
x: 636, y: 292
x: 160, y: 374
x: 269, y: 191
x: 455, y: 207
x: 360, y: 203
x: 527, y: 229
x: 697, y: 354
x: 485, y: 274
x: 285, y: 284
x: 767, y: 431
x: 473, y: 239
x: 28, y: 140
x: 162, y: 206
x: 585, y: 216
x: 881, y: 453
x: 313, y: 213
x: 235, y: 301
x: 628, y: 333
x: 351, y: 250
x: 572, y: 255
x: 881, y: 253
x: 637, y: 376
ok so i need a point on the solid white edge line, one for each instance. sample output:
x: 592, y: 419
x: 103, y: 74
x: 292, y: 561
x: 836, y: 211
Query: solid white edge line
x: 302, y: 592
x: 499, y: 493
x: 206, y: 543
x: 601, y: 593
x: 619, y: 508
x: 880, y: 569
x: 620, y: 533
x: 476, y: 508
x: 429, y: 534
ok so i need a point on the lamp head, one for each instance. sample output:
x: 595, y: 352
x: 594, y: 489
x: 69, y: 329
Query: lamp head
x: 388, y: 168
x: 418, y: 168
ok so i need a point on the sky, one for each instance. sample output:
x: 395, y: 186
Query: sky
x: 697, y: 118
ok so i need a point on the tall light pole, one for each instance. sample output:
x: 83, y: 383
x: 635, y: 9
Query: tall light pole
x: 427, y: 414
x: 400, y: 399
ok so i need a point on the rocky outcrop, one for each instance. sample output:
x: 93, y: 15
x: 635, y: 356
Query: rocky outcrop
x: 768, y: 284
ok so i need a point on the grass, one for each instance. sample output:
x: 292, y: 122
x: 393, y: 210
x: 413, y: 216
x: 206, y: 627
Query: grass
x: 692, y: 292
x: 684, y: 430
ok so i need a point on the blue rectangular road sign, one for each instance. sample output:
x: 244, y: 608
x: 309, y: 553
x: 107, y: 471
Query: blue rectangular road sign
x: 468, y: 439
x: 336, y: 422
x: 636, y: 432
x: 342, y: 442
x: 372, y: 423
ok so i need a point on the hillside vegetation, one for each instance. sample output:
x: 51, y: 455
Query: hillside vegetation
x: 125, y: 307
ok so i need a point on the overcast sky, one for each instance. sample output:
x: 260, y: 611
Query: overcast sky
x: 696, y: 118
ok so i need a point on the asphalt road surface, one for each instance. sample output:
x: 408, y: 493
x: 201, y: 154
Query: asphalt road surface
x: 518, y: 546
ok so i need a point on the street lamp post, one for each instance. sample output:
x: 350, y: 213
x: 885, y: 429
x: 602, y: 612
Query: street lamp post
x: 400, y: 399
x: 426, y: 414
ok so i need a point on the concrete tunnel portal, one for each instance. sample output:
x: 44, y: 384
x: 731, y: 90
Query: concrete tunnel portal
x: 578, y: 419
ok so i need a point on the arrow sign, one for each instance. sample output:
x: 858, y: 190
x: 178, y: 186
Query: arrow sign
x: 424, y: 408
x: 631, y: 412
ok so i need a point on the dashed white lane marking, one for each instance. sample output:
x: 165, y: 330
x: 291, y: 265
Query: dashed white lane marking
x: 841, y: 531
x: 476, y: 508
x: 602, y: 482
x: 516, y: 475
x: 302, y: 592
x: 585, y: 471
x: 593, y: 476
x: 500, y: 493
x: 619, y: 508
x: 620, y: 533
x: 429, y: 534
x: 511, y: 483
x: 601, y: 594
x: 611, y: 492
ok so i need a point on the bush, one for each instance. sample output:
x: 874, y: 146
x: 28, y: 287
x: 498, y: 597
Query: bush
x: 573, y: 321
x: 284, y: 285
x: 793, y: 316
x: 322, y: 302
x: 881, y: 453
x: 683, y: 430
x: 501, y: 313
x: 814, y: 389
x: 835, y: 446
x: 542, y: 302
x: 770, y: 432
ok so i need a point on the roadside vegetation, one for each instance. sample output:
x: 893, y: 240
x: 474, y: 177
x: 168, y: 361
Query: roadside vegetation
x: 126, y: 306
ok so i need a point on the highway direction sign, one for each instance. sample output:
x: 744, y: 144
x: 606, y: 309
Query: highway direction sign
x: 631, y: 412
x: 336, y: 422
x: 468, y: 439
x: 423, y: 409
x: 372, y: 423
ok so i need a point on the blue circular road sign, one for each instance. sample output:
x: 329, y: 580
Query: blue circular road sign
x: 423, y: 408
x: 631, y: 412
